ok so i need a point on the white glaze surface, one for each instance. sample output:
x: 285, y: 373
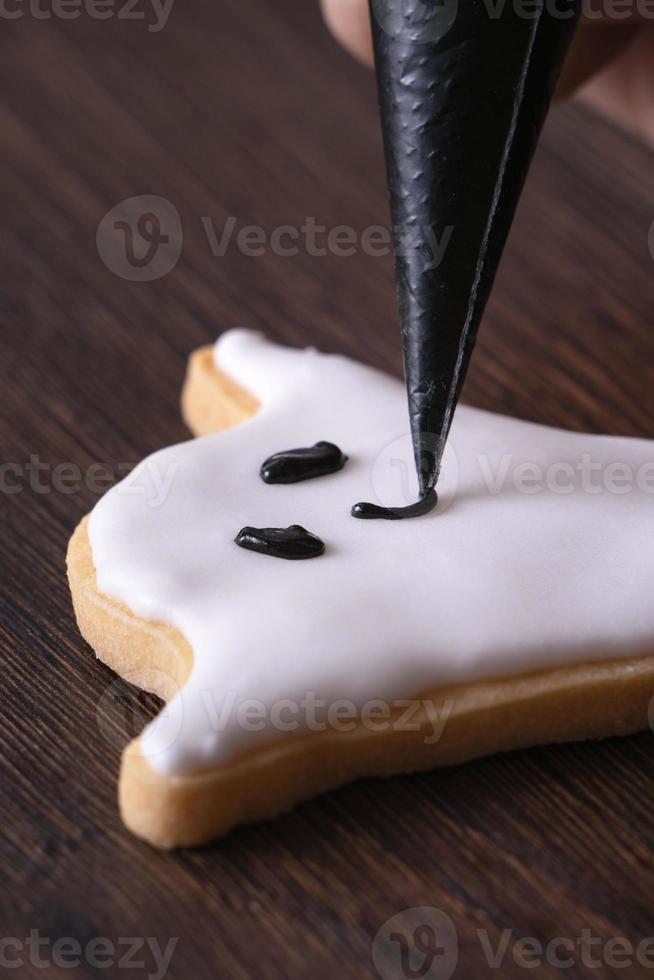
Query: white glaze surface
x: 497, y: 581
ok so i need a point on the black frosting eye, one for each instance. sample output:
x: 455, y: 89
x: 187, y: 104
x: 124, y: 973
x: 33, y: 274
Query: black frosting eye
x: 294, y: 465
x: 293, y: 542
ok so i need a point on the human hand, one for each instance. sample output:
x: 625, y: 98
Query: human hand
x: 610, y: 63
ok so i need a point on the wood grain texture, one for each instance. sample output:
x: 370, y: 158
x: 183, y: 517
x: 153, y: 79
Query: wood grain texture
x: 250, y: 110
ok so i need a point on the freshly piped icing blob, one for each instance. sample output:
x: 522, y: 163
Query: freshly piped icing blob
x: 366, y: 511
x: 540, y: 552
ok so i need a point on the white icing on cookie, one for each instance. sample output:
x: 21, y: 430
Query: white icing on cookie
x: 509, y: 575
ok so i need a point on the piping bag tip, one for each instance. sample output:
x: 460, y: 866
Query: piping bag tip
x: 464, y: 88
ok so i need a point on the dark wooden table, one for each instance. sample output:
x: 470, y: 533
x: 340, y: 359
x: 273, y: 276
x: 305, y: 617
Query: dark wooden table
x: 251, y: 111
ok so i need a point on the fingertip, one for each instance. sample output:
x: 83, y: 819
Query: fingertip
x: 349, y: 22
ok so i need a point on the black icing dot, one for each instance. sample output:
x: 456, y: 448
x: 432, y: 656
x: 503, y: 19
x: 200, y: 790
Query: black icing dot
x: 294, y: 465
x: 293, y: 542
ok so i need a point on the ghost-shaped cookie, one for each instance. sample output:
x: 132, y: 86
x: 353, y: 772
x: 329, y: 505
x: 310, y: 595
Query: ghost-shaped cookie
x: 519, y: 611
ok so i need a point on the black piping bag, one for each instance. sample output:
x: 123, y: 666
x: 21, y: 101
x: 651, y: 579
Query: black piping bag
x: 464, y: 88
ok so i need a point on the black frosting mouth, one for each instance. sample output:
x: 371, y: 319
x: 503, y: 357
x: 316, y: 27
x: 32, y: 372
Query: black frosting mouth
x: 371, y: 512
